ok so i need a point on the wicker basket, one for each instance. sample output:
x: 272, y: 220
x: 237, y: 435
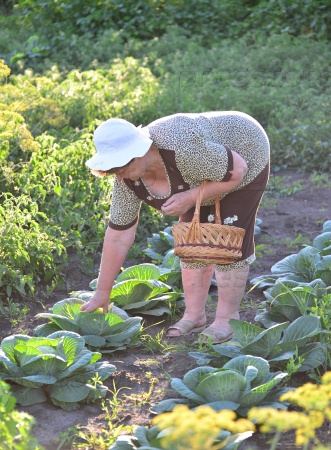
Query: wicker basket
x: 211, y: 243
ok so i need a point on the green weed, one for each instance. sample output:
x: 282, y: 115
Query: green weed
x: 280, y: 187
x: 321, y: 180
x: 156, y: 343
x: 268, y: 202
x: 261, y: 249
x: 13, y: 311
x: 82, y: 437
x: 144, y: 398
x: 298, y: 242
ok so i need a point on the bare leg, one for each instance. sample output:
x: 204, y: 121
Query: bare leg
x: 196, y: 283
x: 231, y: 288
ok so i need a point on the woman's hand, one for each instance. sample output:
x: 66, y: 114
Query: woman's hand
x: 179, y: 203
x: 100, y: 299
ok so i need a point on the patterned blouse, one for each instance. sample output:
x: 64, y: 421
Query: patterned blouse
x: 193, y: 147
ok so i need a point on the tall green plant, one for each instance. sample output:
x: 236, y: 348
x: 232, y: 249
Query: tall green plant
x: 29, y: 251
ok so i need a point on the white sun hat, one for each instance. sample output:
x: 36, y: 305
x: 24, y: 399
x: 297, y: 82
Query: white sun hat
x: 117, y: 142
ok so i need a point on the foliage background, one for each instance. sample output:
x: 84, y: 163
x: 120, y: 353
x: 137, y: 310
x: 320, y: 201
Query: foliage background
x: 70, y: 64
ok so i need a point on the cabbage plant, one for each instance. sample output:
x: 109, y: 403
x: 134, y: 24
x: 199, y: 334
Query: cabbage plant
x: 58, y: 367
x: 311, y: 263
x: 159, y: 244
x: 105, y: 332
x: 288, y: 300
x: 257, y: 228
x: 141, y: 289
x: 327, y: 226
x: 243, y: 382
x: 276, y: 344
x: 151, y: 439
x: 170, y: 270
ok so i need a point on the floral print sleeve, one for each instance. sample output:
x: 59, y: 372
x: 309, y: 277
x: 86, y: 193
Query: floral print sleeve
x: 125, y: 207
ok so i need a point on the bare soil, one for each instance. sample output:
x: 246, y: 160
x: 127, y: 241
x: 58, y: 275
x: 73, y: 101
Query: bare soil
x: 288, y: 222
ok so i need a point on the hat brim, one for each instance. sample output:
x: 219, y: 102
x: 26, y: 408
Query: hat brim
x: 107, y: 161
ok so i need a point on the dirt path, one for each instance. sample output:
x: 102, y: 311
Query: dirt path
x: 287, y: 223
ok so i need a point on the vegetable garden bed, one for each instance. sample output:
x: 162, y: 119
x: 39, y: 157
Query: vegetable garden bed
x: 143, y: 372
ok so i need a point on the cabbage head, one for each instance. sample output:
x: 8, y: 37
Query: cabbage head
x: 108, y: 332
x: 58, y: 367
x: 143, y: 289
x: 243, y: 382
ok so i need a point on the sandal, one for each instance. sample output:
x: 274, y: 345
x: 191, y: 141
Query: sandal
x: 215, y: 335
x: 185, y: 327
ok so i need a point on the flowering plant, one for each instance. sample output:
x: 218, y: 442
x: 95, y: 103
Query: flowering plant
x: 201, y: 429
x: 315, y: 403
x: 184, y: 429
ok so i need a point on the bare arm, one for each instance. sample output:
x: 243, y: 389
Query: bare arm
x: 180, y: 203
x: 115, y: 248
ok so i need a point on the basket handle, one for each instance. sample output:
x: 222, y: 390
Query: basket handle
x: 194, y: 229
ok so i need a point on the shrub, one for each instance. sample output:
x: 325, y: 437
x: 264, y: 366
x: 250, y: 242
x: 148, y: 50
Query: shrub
x: 123, y: 90
x: 147, y: 19
x: 29, y: 250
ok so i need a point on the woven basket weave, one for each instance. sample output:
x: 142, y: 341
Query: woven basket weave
x: 211, y: 243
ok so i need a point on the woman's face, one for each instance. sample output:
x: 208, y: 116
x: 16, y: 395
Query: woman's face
x: 132, y: 171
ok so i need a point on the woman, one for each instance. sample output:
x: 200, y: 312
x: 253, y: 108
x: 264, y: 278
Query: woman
x: 163, y: 165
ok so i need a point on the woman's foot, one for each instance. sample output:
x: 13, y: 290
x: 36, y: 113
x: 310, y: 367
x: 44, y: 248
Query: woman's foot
x: 186, y: 326
x: 215, y: 335
x: 220, y: 330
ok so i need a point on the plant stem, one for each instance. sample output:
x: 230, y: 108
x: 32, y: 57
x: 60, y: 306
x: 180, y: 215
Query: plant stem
x: 275, y: 440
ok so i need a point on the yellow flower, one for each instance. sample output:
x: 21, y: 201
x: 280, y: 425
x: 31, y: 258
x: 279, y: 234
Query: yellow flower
x: 4, y: 69
x: 326, y: 378
x: 310, y: 396
x: 198, y: 429
x: 272, y: 420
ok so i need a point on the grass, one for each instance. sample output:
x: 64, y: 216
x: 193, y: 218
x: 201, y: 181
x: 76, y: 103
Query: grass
x: 249, y: 303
